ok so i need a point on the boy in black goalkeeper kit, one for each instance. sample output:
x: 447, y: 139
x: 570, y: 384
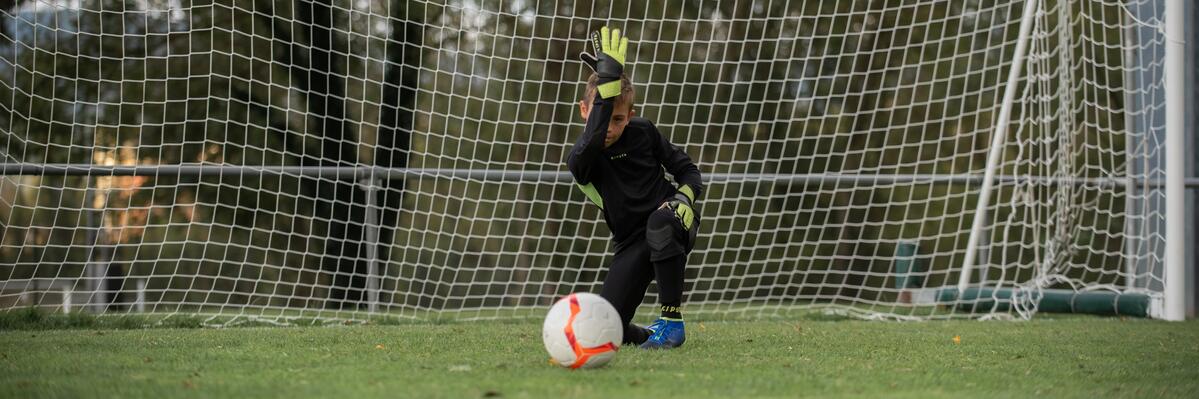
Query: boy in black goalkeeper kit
x: 618, y: 162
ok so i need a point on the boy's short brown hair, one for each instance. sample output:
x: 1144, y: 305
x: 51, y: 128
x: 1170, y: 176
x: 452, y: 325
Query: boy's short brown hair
x: 628, y: 95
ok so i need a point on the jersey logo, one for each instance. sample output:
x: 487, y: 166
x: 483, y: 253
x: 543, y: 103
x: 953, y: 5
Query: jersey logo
x: 619, y: 156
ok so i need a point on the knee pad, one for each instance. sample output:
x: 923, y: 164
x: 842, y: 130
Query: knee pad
x: 665, y: 235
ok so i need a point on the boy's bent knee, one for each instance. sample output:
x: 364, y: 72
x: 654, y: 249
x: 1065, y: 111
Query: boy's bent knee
x: 665, y: 235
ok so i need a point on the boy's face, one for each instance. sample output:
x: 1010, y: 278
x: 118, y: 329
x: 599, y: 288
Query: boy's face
x: 621, y: 114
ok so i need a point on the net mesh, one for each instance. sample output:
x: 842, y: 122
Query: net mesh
x: 358, y: 159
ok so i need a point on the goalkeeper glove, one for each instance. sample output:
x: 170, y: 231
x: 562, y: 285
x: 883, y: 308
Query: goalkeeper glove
x: 608, y: 62
x: 681, y: 205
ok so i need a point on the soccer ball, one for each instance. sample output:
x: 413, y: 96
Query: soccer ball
x: 582, y: 330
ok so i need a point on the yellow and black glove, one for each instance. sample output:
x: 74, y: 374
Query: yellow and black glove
x: 608, y: 63
x: 682, y: 206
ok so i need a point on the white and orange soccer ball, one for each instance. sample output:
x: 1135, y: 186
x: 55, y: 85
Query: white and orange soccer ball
x: 582, y: 330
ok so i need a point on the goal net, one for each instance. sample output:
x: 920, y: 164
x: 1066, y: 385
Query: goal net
x: 349, y: 160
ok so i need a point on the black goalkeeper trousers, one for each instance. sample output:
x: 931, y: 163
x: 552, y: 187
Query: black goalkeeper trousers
x: 632, y: 267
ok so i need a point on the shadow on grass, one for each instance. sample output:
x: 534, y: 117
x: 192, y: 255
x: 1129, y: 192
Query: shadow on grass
x: 33, y: 318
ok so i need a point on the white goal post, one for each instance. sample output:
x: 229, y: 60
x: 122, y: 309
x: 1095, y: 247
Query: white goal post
x: 323, y: 161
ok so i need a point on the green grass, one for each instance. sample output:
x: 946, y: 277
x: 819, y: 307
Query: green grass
x: 1064, y: 357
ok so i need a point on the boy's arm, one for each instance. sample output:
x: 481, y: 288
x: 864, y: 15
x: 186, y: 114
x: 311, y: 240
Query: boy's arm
x: 590, y: 145
x: 686, y: 174
x: 608, y: 63
x: 676, y: 161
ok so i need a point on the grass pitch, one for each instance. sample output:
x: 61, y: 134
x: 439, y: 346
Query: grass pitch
x: 1065, y: 357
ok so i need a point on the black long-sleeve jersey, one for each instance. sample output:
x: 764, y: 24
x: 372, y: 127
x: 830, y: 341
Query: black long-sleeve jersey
x: 626, y: 180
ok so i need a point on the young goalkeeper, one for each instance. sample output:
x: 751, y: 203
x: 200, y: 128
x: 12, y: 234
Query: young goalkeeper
x: 618, y: 162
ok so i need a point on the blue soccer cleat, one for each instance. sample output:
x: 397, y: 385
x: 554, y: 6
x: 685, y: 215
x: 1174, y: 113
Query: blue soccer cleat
x: 668, y: 333
x: 655, y: 326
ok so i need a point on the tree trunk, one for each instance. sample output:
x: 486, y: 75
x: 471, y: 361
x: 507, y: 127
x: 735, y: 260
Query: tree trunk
x: 339, y: 201
x: 396, y: 120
